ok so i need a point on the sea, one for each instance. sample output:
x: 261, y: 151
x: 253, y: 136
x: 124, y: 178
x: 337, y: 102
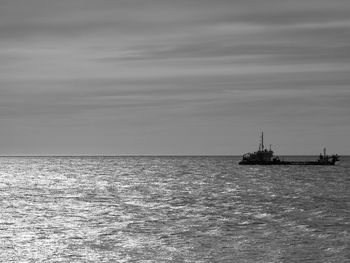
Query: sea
x: 172, y: 209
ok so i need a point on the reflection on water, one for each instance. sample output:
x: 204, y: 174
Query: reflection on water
x: 179, y: 209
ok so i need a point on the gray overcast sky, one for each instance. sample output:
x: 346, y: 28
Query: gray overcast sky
x: 174, y: 76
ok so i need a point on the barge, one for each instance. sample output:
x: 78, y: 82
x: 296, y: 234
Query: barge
x: 265, y: 156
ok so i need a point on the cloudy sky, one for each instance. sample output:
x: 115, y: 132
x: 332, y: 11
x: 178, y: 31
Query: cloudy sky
x: 174, y: 76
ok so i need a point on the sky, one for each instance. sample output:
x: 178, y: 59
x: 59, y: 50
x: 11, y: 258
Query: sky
x: 174, y: 77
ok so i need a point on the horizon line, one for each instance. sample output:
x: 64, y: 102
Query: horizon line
x: 148, y: 155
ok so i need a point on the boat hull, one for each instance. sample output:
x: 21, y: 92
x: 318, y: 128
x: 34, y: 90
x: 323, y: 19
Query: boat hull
x: 287, y: 163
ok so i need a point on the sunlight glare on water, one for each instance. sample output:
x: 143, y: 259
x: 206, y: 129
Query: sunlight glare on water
x: 179, y: 209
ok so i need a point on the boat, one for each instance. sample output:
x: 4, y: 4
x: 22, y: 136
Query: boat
x: 265, y: 156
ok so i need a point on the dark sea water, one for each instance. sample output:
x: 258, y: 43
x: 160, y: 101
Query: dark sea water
x: 172, y: 209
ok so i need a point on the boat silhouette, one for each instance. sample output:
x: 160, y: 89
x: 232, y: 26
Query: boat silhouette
x: 265, y: 156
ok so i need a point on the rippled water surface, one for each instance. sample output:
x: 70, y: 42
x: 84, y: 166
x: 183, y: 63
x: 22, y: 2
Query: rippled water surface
x: 172, y: 209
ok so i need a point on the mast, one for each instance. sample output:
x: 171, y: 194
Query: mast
x: 262, y: 141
